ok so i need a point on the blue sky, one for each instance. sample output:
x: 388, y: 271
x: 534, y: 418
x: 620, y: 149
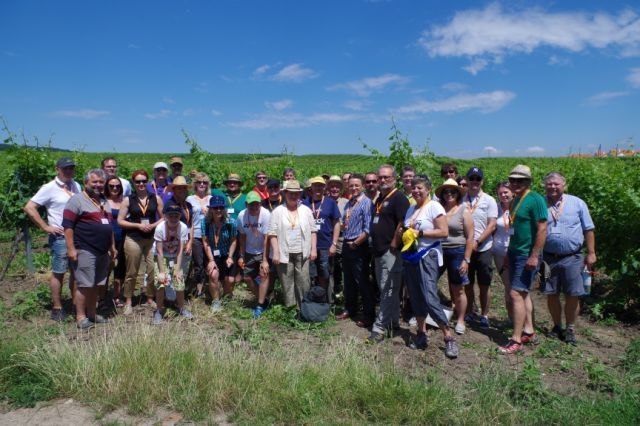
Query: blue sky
x: 471, y: 78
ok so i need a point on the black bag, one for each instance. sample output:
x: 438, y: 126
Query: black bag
x: 315, y: 306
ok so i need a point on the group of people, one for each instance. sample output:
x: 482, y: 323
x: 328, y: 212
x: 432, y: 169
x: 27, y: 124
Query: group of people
x: 376, y: 242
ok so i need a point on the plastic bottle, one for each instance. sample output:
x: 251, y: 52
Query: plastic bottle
x: 586, y: 280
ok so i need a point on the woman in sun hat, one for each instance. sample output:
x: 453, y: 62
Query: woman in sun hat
x: 293, y: 243
x: 458, y: 246
x: 219, y: 234
x: 425, y: 227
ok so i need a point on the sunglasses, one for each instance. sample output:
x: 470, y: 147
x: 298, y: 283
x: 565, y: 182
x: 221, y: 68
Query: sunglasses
x: 140, y: 182
x: 449, y: 171
x: 201, y: 182
x: 518, y: 180
x: 115, y: 186
x: 370, y: 181
x: 475, y: 179
x: 261, y: 178
x: 449, y: 192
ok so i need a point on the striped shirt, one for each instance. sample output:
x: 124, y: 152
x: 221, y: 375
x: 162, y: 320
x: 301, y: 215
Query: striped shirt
x: 357, y: 217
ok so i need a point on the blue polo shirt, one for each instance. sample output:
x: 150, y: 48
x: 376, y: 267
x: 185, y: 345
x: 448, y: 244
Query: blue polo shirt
x: 324, y: 212
x: 567, y: 221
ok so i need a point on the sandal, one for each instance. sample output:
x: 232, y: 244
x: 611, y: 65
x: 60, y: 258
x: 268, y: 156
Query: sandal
x: 511, y: 347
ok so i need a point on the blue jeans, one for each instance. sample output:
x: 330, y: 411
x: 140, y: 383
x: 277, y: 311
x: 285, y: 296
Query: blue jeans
x: 422, y: 281
x: 522, y: 279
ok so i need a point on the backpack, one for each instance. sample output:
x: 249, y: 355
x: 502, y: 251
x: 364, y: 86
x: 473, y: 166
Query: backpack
x: 315, y: 307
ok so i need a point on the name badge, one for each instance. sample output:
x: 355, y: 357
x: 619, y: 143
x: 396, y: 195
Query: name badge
x: 144, y: 221
x: 105, y: 221
x: 375, y: 219
x: 317, y: 227
x: 511, y: 231
x: 231, y: 211
x: 216, y: 252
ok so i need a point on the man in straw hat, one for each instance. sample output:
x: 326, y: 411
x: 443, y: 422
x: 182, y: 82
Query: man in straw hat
x: 528, y: 229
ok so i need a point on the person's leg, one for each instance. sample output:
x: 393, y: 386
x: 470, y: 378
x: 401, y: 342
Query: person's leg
x: 484, y: 273
x: 460, y: 298
x: 286, y: 274
x: 301, y: 277
x: 349, y: 269
x: 519, y: 313
x: 90, y: 295
x: 528, y: 320
x: 555, y: 309
x: 364, y: 285
x: 147, y: 252
x: 133, y: 256
x: 55, y: 284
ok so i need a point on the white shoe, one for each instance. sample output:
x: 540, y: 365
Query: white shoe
x: 460, y: 328
x: 413, y: 322
x: 216, y: 306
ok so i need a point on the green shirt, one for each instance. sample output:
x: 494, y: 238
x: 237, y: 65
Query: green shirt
x: 234, y: 204
x: 532, y: 210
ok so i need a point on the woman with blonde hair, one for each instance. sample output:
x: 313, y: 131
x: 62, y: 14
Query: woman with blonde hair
x: 200, y: 206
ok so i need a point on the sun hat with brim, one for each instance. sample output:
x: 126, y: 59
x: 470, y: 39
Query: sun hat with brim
x: 520, y: 172
x: 160, y: 165
x: 216, y: 201
x: 335, y: 178
x: 317, y: 179
x: 175, y: 160
x: 233, y: 177
x: 448, y: 184
x: 65, y: 162
x: 253, y: 197
x: 177, y: 181
x: 292, y: 186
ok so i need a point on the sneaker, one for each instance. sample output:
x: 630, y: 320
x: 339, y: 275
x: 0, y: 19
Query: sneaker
x: 556, y: 333
x: 216, y: 306
x: 99, y: 319
x: 451, y: 348
x: 257, y: 312
x: 460, y: 328
x: 375, y: 337
x: 529, y: 339
x: 85, y: 324
x: 413, y: 322
x: 420, y: 342
x: 511, y: 347
x: 570, y: 336
x: 186, y: 314
x: 483, y: 322
x: 58, y: 315
x: 128, y: 310
x: 157, y: 318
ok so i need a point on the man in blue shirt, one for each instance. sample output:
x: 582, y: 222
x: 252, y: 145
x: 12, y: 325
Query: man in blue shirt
x: 569, y: 227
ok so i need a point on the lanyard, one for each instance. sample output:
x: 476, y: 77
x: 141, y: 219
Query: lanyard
x: 316, y: 212
x: 350, y: 208
x: 216, y: 234
x: 380, y: 202
x: 475, y: 205
x: 231, y: 201
x: 66, y: 190
x: 143, y: 207
x: 98, y: 205
x: 556, y: 210
x: 512, y: 216
x: 416, y: 213
x: 293, y: 218
x: 271, y: 205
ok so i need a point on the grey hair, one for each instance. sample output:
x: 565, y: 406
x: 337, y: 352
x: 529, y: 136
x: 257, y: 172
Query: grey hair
x: 95, y: 172
x: 388, y: 166
x: 555, y: 174
x: 421, y: 179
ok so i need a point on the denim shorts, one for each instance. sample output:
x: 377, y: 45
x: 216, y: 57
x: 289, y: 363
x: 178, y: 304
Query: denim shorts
x: 321, y: 267
x: 566, y: 275
x: 522, y: 279
x: 453, y: 257
x: 59, y: 259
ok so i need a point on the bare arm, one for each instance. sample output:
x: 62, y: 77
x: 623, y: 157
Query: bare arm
x: 441, y: 228
x: 467, y: 223
x: 491, y: 227
x: 590, y: 239
x: 541, y: 237
x: 122, y: 215
x: 72, y: 254
x: 334, y: 237
x: 31, y: 210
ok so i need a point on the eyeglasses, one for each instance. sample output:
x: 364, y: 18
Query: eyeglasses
x: 475, y: 179
x: 140, y: 182
x: 450, y: 192
x: 115, y: 186
x: 201, y: 182
x: 450, y: 171
x: 384, y: 177
x: 261, y: 177
x: 370, y: 181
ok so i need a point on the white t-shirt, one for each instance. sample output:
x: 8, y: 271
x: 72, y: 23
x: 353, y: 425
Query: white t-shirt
x: 483, y: 206
x: 171, y: 240
x: 501, y: 236
x: 198, y: 213
x: 54, y: 196
x: 423, y: 220
x: 255, y: 229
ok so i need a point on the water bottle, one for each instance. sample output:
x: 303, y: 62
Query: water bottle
x: 144, y: 281
x: 586, y: 280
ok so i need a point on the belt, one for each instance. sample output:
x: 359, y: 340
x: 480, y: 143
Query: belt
x: 560, y: 255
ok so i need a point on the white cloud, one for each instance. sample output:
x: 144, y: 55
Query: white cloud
x: 261, y: 70
x: 483, y: 102
x: 133, y: 46
x: 476, y: 65
x: 359, y: 105
x: 189, y: 112
x: 215, y: 112
x: 558, y: 60
x: 293, y: 120
x: 634, y: 77
x: 87, y: 114
x: 535, y: 150
x: 368, y: 85
x: 279, y: 105
x: 454, y: 86
x: 603, y: 98
x: 490, y: 150
x: 160, y: 114
x: 295, y: 73
x: 491, y: 33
